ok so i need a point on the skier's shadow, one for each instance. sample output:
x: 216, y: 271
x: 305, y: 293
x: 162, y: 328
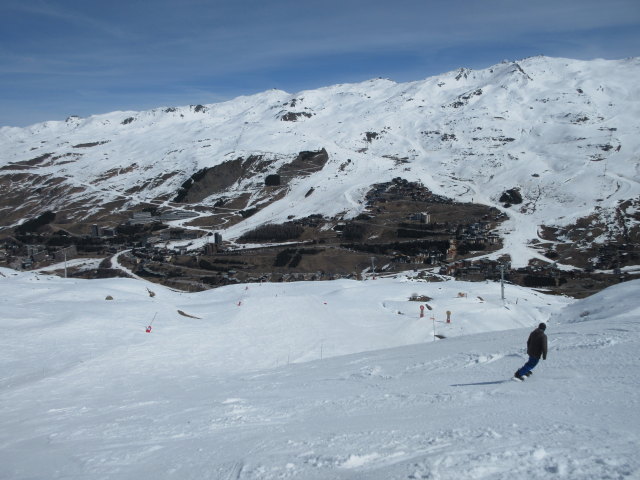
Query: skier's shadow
x: 497, y: 382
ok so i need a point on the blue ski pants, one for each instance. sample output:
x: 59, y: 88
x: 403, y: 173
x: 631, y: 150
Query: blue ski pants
x: 527, y: 367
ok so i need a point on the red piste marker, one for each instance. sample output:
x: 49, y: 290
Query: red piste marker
x: 148, y: 329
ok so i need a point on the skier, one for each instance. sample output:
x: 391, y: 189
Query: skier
x: 536, y: 348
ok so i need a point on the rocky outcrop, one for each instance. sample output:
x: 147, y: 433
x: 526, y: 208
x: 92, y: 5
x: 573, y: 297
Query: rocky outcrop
x: 214, y: 180
x: 511, y: 197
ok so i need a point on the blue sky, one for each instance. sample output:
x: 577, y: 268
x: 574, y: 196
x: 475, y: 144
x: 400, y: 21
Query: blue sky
x: 84, y: 57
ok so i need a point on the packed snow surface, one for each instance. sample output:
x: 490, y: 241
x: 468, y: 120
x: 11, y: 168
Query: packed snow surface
x: 324, y: 380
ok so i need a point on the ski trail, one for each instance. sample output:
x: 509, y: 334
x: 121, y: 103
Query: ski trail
x: 117, y: 265
x: 235, y: 471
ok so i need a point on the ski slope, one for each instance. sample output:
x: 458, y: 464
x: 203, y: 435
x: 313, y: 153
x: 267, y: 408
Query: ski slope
x: 340, y: 380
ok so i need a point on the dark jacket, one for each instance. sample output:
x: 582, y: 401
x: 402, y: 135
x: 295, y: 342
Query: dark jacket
x: 537, y: 344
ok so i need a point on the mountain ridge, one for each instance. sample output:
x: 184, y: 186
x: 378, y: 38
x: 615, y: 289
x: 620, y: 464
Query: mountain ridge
x: 562, y: 133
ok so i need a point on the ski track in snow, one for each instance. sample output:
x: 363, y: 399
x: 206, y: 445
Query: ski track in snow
x: 313, y: 381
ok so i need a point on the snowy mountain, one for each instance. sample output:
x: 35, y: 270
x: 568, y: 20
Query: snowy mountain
x: 554, y: 143
x: 313, y: 380
x: 121, y: 378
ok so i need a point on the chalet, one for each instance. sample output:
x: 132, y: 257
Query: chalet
x: 177, y: 234
x: 171, y: 215
x: 152, y: 240
x: 210, y: 249
x: 141, y: 218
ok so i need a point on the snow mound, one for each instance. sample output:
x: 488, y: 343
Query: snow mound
x: 619, y: 301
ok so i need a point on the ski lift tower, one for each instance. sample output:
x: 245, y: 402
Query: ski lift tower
x: 502, y: 267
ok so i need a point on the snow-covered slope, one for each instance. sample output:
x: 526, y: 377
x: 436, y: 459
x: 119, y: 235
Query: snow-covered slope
x: 297, y: 381
x: 565, y: 133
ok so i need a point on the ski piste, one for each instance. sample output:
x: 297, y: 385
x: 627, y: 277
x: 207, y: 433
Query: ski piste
x: 311, y: 380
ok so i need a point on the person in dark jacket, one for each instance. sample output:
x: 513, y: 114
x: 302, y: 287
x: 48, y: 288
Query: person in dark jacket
x: 536, y: 348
